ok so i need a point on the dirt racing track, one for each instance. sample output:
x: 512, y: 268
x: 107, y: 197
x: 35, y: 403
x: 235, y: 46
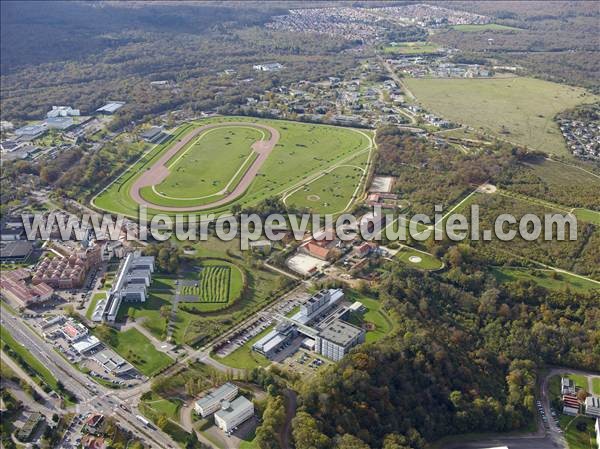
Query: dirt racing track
x: 158, y: 172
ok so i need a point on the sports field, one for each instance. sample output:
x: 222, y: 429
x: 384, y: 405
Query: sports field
x: 520, y: 110
x: 211, y: 165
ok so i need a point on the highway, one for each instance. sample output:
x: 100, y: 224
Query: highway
x: 92, y: 397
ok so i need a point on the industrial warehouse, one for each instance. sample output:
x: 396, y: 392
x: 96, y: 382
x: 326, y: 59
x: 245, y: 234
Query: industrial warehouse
x: 322, y: 320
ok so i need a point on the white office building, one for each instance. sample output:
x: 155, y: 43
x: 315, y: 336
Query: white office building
x: 592, y: 406
x: 132, y: 280
x: 62, y: 111
x: 212, y: 401
x: 337, y: 339
x: 232, y: 414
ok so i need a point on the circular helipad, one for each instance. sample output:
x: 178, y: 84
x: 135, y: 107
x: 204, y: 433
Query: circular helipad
x: 415, y: 259
x: 313, y: 197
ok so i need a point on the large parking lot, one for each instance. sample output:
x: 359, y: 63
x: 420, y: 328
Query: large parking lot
x: 284, y: 306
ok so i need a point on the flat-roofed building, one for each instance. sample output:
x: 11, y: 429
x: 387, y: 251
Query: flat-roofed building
x: 32, y: 131
x: 60, y: 123
x: 111, y: 107
x: 211, y: 402
x: 321, y: 302
x: 26, y: 432
x: 132, y: 280
x: 155, y: 135
x: 592, y: 406
x: 86, y: 344
x: 15, y: 251
x: 62, y: 111
x: 234, y: 413
x: 567, y: 386
x: 112, y: 362
x: 337, y: 339
x: 271, y: 343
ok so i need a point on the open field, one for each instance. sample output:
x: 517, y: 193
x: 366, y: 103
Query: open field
x: 567, y: 185
x: 155, y: 406
x: 133, y: 346
x: 219, y: 153
x: 545, y: 278
x: 332, y: 192
x: 149, y: 312
x: 486, y: 27
x: 273, y: 172
x: 520, y: 110
x: 412, y: 48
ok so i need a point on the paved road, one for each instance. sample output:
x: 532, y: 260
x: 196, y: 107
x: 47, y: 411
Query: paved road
x: 92, y: 397
x: 4, y: 358
x: 159, y: 171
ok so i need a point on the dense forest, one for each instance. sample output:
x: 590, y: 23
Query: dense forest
x: 436, y: 174
x: 552, y: 40
x: 113, y: 52
x: 464, y: 357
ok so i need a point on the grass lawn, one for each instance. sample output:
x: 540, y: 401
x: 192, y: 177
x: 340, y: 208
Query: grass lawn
x: 332, y: 192
x: 464, y: 133
x: 596, y: 385
x: 577, y: 439
x: 42, y: 372
x: 149, y: 312
x: 424, y: 262
x: 139, y: 351
x: 374, y: 315
x: 588, y: 215
x: 244, y: 357
x: 546, y: 278
x: 412, y: 48
x: 580, y: 381
x: 486, y: 27
x: 303, y: 150
x: 157, y: 405
x: 97, y: 297
x: 520, y: 110
x: 198, y: 326
x: 206, y: 165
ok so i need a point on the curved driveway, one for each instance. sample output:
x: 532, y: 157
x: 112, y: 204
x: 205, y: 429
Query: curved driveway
x: 159, y: 171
